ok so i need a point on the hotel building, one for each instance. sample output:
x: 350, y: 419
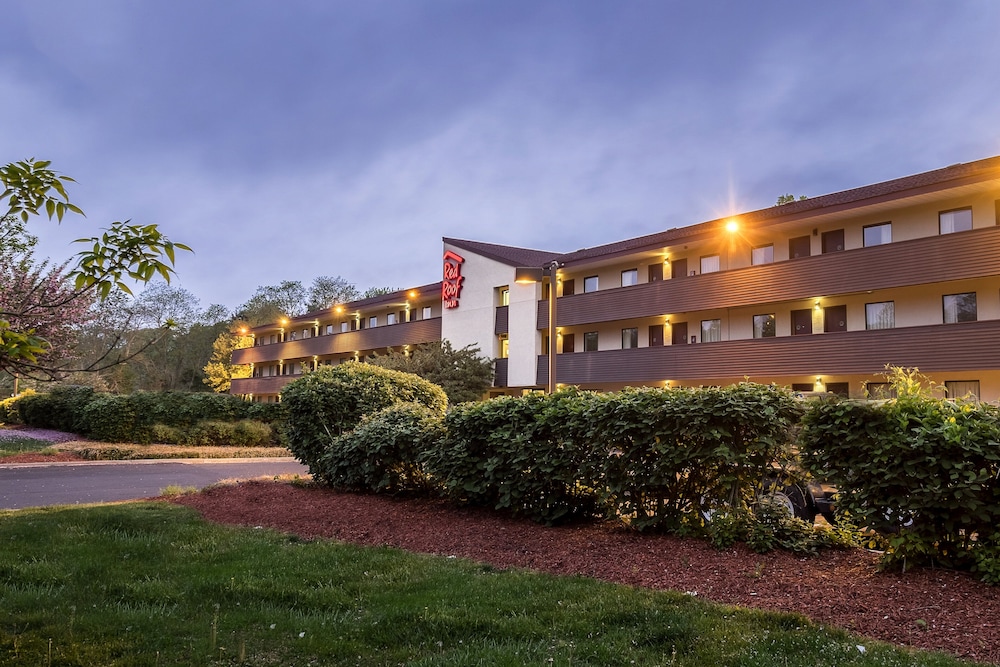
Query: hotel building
x: 817, y: 294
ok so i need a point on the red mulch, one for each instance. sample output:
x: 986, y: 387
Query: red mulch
x: 930, y: 609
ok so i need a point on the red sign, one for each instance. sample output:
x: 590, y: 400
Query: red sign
x: 451, y: 286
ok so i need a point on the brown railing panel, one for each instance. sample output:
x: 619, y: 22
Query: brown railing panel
x: 502, y: 324
x: 393, y: 335
x: 967, y: 346
x: 268, y: 385
x: 499, y: 372
x: 970, y: 254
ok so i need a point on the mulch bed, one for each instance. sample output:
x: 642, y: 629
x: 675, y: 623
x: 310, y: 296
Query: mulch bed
x: 930, y: 609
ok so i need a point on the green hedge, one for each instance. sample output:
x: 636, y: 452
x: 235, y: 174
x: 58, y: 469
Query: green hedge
x: 60, y: 409
x: 323, y: 405
x: 383, y: 452
x: 526, y: 454
x: 656, y: 458
x: 144, y: 417
x: 921, y: 471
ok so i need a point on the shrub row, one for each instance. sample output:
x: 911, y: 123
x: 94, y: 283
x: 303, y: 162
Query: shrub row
x: 656, y: 458
x: 144, y: 417
x: 921, y: 471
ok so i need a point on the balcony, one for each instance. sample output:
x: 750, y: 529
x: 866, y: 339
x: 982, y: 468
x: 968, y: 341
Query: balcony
x: 378, y: 338
x: 933, y: 259
x: 943, y: 347
x: 260, y: 386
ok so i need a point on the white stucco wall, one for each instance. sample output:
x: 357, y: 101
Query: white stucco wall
x: 473, y: 321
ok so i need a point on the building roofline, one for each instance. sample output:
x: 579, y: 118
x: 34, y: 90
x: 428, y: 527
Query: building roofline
x: 965, y: 172
x: 509, y: 255
x: 392, y: 297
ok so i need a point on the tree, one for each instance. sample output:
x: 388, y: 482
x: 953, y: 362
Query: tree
x: 373, y: 292
x: 326, y: 292
x: 270, y: 303
x: 788, y: 199
x: 463, y: 374
x: 37, y: 297
x: 220, y: 370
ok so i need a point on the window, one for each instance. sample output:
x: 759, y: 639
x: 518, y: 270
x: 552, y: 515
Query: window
x: 959, y: 307
x: 504, y: 296
x: 762, y: 255
x: 373, y: 321
x: 306, y: 333
x: 590, y: 341
x: 504, y: 347
x: 879, y: 234
x: 590, y: 284
x: 329, y: 329
x: 426, y: 313
x: 711, y: 331
x: 710, y: 264
x: 630, y: 338
x: 959, y: 220
x: 344, y: 327
x: 292, y: 335
x: 763, y: 326
x: 390, y: 318
x: 630, y: 277
x: 880, y: 315
x: 967, y: 389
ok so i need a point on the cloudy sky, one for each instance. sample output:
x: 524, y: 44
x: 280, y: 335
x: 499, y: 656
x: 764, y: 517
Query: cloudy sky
x: 288, y: 140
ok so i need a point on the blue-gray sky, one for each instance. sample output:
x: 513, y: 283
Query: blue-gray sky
x: 287, y: 140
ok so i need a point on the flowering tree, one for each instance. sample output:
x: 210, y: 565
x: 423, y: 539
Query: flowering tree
x: 220, y: 371
x: 41, y: 307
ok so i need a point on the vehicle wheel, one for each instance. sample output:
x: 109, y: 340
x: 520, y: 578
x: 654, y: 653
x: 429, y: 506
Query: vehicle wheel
x: 794, y: 499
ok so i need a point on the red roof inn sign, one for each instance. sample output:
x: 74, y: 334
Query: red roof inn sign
x: 451, y: 286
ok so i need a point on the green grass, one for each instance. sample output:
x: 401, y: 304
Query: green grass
x: 152, y: 584
x: 19, y: 445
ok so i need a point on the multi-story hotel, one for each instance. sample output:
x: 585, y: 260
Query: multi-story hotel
x: 818, y: 294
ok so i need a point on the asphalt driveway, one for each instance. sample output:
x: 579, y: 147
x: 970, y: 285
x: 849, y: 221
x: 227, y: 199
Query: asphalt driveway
x: 43, y: 484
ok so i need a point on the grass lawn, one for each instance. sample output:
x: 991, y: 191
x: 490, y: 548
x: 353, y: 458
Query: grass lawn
x: 152, y: 584
x: 18, y: 445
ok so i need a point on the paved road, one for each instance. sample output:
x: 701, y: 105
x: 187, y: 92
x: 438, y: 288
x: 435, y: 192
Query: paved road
x: 39, y: 484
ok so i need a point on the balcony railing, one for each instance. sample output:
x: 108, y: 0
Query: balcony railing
x: 966, y: 346
x: 260, y: 386
x: 971, y: 254
x: 378, y: 338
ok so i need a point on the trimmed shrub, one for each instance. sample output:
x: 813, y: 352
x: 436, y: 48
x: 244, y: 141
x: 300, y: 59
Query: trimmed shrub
x: 524, y: 453
x: 383, y: 452
x: 922, y: 472
x: 9, y: 413
x: 60, y: 409
x: 243, y: 433
x: 329, y: 402
x: 656, y: 458
x: 670, y: 456
x: 113, y: 418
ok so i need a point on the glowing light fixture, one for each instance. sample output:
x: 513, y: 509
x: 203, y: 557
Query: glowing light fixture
x: 732, y: 226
